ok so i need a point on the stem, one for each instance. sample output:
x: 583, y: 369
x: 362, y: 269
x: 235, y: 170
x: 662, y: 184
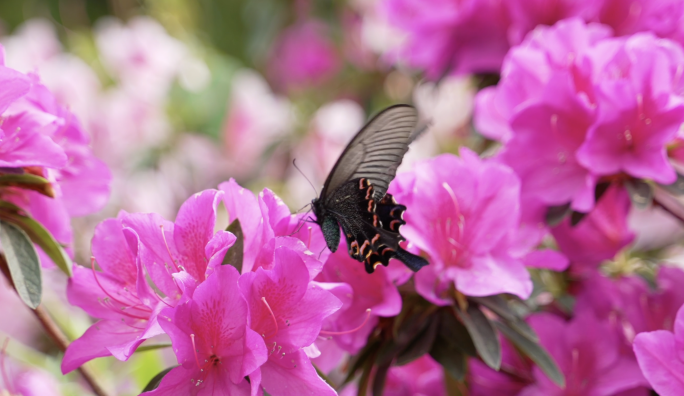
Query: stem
x: 61, y: 340
x: 55, y: 333
x: 669, y: 203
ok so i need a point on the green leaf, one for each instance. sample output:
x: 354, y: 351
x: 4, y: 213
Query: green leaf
x: 535, y: 352
x: 145, y: 348
x: 234, y: 255
x: 484, y: 337
x: 157, y: 379
x: 450, y: 357
x: 29, y: 182
x: 38, y: 234
x: 500, y: 306
x: 421, y: 344
x: 23, y: 263
x: 640, y: 192
x: 380, y: 378
x: 365, y: 355
x: 324, y: 377
x: 454, y: 332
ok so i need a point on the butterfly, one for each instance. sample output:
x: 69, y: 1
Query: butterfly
x: 354, y: 194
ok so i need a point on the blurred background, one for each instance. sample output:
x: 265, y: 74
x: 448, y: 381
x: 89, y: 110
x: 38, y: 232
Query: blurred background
x: 180, y: 95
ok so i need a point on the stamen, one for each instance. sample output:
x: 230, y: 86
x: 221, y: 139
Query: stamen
x: 5, y: 377
x: 168, y: 250
x: 275, y: 322
x: 308, y: 244
x: 194, y: 350
x: 92, y: 267
x: 332, y: 333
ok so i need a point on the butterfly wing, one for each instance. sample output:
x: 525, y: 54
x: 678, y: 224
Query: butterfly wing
x: 376, y: 151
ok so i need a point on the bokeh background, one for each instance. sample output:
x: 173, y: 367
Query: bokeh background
x: 179, y: 95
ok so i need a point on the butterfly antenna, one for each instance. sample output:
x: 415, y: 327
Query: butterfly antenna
x: 301, y: 222
x: 294, y: 163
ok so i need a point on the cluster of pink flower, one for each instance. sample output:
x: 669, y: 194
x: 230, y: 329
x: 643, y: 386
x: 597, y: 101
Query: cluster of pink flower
x: 474, y: 36
x: 39, y: 136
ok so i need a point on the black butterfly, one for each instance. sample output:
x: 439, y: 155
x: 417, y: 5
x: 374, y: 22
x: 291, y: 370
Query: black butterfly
x: 354, y: 198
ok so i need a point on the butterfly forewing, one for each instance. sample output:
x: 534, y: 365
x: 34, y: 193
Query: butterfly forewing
x: 376, y: 151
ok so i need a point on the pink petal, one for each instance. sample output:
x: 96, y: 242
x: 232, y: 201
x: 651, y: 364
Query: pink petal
x: 13, y: 85
x: 194, y: 227
x: 241, y: 204
x: 94, y: 342
x: 656, y: 353
x: 489, y: 275
x: 546, y: 258
x: 293, y: 375
x: 111, y: 252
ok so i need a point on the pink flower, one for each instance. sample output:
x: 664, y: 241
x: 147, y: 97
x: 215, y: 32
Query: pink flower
x: 423, y: 376
x: 176, y: 257
x: 140, y: 54
x: 464, y: 214
x: 592, y: 365
x: 214, y: 347
x: 527, y: 69
x: 638, y: 111
x: 39, y: 134
x: 303, y: 56
x: 662, y: 17
x: 268, y: 224
x: 527, y: 15
x: 632, y: 303
x: 600, y: 235
x: 515, y: 374
x: 287, y: 311
x: 27, y: 381
x: 443, y: 35
x: 660, y: 356
x: 576, y: 107
x: 351, y: 325
x: 256, y: 117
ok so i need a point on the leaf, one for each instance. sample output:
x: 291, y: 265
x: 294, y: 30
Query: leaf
x: 499, y: 306
x: 453, y: 331
x: 29, y: 182
x: 676, y: 188
x: 450, y: 357
x: 324, y: 377
x: 421, y: 344
x: 534, y: 351
x: 640, y: 193
x: 145, y: 348
x: 23, y: 263
x: 38, y: 234
x: 556, y: 214
x: 380, y: 378
x: 365, y: 377
x: 234, y: 255
x: 366, y: 354
x: 157, y: 379
x: 483, y: 335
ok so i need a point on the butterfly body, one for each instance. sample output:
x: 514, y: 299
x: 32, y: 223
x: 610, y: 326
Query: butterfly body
x: 354, y: 195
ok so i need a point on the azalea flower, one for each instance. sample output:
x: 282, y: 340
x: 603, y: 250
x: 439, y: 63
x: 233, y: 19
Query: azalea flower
x: 176, y: 257
x: 371, y: 296
x: 576, y: 107
x: 41, y: 137
x: 660, y: 357
x: 600, y: 235
x: 303, y: 56
x: 214, y: 347
x: 464, y: 213
x: 268, y: 224
x: 287, y: 310
x: 592, y: 365
x: 443, y: 35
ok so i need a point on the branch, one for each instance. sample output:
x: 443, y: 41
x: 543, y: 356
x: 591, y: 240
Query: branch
x: 55, y: 333
x: 669, y: 203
